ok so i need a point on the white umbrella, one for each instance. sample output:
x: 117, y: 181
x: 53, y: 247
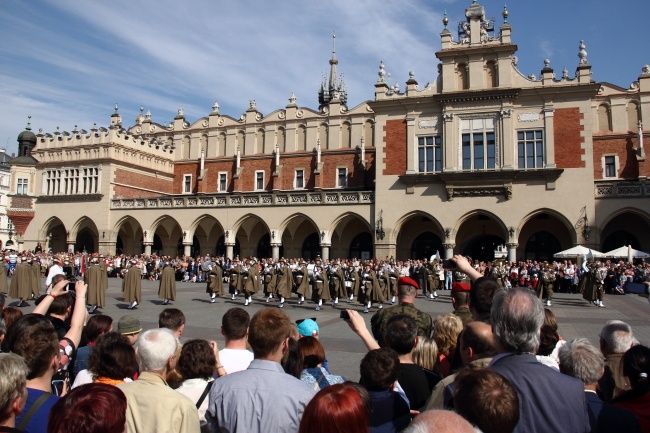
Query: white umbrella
x: 578, y: 251
x: 627, y: 252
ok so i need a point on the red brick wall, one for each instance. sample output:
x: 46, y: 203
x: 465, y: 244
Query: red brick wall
x: 395, y: 148
x: 20, y: 220
x: 131, y: 182
x: 357, y: 178
x: 568, y: 141
x: 21, y: 202
x: 624, y: 147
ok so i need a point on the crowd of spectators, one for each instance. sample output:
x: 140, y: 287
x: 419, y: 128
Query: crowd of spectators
x: 495, y: 364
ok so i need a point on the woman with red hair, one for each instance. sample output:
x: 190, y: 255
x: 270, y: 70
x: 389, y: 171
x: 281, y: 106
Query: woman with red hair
x: 91, y: 408
x: 335, y: 409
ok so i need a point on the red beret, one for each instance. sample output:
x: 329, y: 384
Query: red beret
x: 459, y: 287
x: 406, y: 281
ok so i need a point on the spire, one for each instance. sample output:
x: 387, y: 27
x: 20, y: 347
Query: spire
x: 334, y: 84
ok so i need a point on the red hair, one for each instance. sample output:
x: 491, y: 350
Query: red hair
x: 91, y: 408
x: 335, y: 409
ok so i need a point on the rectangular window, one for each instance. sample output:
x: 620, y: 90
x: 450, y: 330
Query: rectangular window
x: 530, y: 149
x: 478, y: 144
x: 21, y: 188
x: 430, y: 154
x: 187, y: 184
x: 610, y: 166
x: 300, y: 179
x: 342, y: 177
x: 223, y: 182
x: 259, y: 180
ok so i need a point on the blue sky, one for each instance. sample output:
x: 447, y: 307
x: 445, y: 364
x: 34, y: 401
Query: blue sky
x: 68, y: 62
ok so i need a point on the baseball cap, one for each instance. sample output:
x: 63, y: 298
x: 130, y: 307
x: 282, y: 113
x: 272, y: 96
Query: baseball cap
x: 129, y: 325
x: 307, y: 327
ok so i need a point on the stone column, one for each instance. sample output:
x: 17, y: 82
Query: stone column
x: 71, y: 247
x: 512, y: 252
x: 449, y: 250
x: 147, y: 248
x: 275, y: 251
x: 325, y: 251
x: 385, y: 251
x: 230, y: 248
x: 187, y: 248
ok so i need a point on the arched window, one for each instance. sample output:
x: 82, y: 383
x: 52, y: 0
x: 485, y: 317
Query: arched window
x: 323, y: 135
x: 491, y: 75
x: 462, y: 77
x: 221, y: 144
x: 241, y: 142
x: 187, y: 147
x: 301, y: 139
x: 346, y: 139
x: 604, y: 119
x: 260, y: 144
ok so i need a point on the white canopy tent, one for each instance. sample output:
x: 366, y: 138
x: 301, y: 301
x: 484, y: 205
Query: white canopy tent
x: 578, y: 251
x: 627, y: 252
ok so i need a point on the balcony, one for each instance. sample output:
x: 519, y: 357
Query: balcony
x: 622, y: 188
x: 242, y: 200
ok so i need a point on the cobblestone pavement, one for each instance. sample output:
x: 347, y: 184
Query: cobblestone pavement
x: 576, y: 317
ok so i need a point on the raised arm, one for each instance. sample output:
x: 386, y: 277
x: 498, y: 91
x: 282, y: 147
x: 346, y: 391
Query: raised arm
x: 358, y: 325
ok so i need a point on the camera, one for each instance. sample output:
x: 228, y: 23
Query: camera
x: 449, y: 264
x: 345, y: 315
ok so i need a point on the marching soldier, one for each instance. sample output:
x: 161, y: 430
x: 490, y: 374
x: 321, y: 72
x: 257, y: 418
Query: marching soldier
x: 321, y: 287
x: 252, y: 284
x: 302, y: 282
x: 336, y: 280
x: 215, y: 282
x: 548, y: 280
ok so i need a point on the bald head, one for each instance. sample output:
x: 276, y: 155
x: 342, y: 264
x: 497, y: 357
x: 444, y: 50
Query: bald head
x: 439, y: 421
x: 477, y: 341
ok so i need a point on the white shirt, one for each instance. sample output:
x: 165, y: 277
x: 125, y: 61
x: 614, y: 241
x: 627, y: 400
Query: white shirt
x: 193, y: 389
x: 54, y: 270
x: 235, y: 359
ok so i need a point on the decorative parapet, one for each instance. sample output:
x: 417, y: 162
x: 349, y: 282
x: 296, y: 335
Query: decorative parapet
x: 249, y: 200
x: 622, y: 189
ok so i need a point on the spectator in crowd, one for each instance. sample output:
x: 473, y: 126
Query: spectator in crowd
x: 379, y: 370
x: 425, y: 353
x: 10, y: 315
x: 616, y: 338
x: 477, y: 347
x: 401, y: 336
x: 636, y: 367
x: 112, y: 361
x: 313, y: 374
x: 292, y: 361
x: 579, y: 359
x: 460, y: 302
x: 172, y: 319
x: 170, y: 411
x: 198, y: 362
x: 439, y: 421
x: 549, y: 400
x: 308, y: 328
x: 13, y: 390
x: 336, y: 409
x: 487, y: 400
x: 3, y: 332
x: 97, y: 325
x: 235, y: 356
x: 130, y: 328
x: 446, y: 329
x: 407, y: 291
x: 34, y: 338
x: 264, y: 388
x: 91, y: 408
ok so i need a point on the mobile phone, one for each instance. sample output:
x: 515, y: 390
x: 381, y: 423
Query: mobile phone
x: 449, y: 264
x: 345, y: 315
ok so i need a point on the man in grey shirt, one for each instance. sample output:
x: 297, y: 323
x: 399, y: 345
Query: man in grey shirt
x: 262, y: 398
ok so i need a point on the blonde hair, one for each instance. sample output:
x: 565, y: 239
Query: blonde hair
x: 425, y: 353
x: 446, y: 329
